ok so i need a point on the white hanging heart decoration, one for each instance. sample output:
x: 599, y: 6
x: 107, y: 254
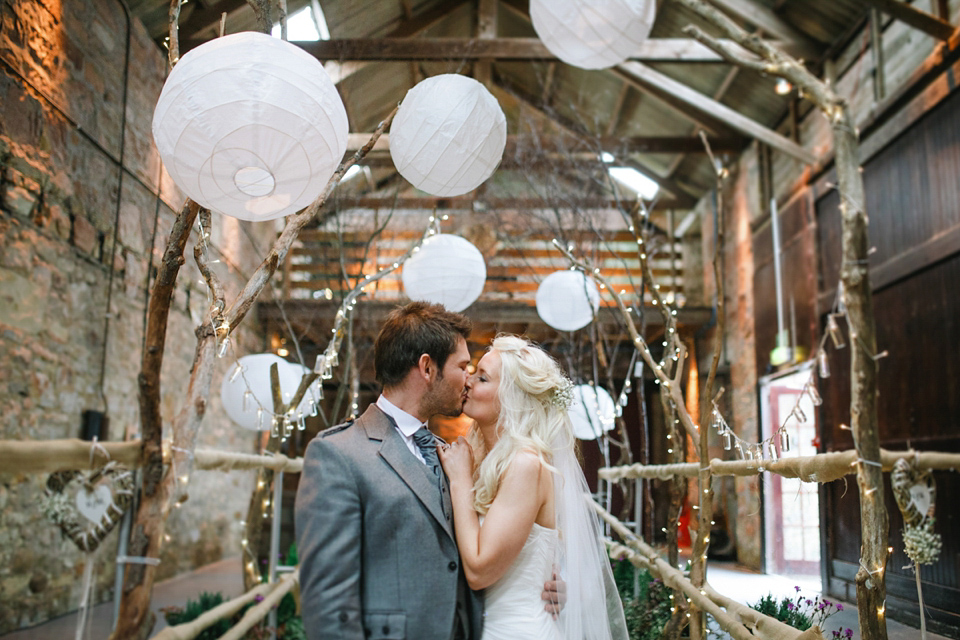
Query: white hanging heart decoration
x: 88, y: 507
x: 921, y: 497
x: 93, y: 505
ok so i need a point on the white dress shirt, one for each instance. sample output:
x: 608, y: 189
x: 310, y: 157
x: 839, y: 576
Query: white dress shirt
x: 407, y: 425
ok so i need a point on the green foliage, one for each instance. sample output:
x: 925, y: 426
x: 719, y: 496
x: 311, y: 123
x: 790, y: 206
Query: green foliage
x: 648, y: 611
x: 785, y: 611
x: 292, y: 558
x: 799, y: 612
x: 646, y: 617
x: 196, y: 608
x: 293, y: 630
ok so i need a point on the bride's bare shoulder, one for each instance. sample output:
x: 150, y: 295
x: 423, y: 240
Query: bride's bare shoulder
x: 525, y: 462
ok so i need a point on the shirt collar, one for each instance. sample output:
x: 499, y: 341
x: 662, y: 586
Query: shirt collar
x: 406, y: 423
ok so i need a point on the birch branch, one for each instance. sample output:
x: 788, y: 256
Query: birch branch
x: 643, y: 555
x: 257, y: 613
x: 192, y: 629
x: 671, y: 385
x: 823, y: 467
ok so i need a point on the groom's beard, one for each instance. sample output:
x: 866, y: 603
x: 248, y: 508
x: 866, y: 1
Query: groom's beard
x: 442, y: 400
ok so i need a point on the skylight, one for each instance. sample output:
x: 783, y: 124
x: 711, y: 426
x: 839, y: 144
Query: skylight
x: 301, y: 26
x: 635, y: 181
x: 630, y: 178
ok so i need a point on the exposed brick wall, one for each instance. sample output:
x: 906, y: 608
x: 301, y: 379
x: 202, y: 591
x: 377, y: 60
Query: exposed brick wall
x: 61, y: 123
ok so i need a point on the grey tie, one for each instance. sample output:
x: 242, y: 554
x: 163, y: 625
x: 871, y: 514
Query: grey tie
x: 427, y: 443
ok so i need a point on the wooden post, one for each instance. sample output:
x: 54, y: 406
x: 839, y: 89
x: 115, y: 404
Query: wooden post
x: 857, y: 295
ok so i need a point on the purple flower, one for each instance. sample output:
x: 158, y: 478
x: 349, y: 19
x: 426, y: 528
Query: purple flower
x: 259, y: 598
x: 790, y: 606
x: 849, y: 632
x: 839, y: 607
x: 809, y: 602
x: 797, y: 589
x: 827, y: 602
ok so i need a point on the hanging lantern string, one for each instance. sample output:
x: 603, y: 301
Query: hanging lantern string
x: 215, y: 292
x: 325, y: 362
x: 669, y: 314
x: 283, y: 421
x: 329, y: 358
x: 671, y: 385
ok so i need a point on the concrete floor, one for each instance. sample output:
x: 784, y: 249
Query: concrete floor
x: 225, y: 577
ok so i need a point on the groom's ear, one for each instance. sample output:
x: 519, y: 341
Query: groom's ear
x: 426, y: 367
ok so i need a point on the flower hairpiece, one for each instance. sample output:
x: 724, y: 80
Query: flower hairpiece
x: 561, y: 396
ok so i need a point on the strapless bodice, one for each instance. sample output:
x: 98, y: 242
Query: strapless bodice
x: 514, y: 608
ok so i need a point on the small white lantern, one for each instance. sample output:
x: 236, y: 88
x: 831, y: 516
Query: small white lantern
x: 592, y: 412
x: 567, y: 300
x: 448, y: 135
x: 447, y: 270
x: 593, y: 34
x: 250, y: 126
x: 255, y: 411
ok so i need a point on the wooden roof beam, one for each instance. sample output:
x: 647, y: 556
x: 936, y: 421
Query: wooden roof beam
x: 684, y: 199
x: 916, y: 18
x: 491, y: 47
x: 518, y: 144
x: 470, y: 203
x: 660, y: 83
x: 794, y: 42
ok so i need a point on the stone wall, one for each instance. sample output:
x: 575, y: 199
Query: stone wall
x: 74, y: 225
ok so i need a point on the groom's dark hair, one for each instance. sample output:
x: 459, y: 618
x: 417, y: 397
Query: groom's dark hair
x: 409, y: 332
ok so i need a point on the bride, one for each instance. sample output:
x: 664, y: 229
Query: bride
x: 519, y: 504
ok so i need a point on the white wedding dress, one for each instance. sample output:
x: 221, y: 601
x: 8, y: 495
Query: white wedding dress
x: 513, y: 605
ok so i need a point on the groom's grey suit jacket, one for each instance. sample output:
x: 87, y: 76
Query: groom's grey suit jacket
x: 378, y: 558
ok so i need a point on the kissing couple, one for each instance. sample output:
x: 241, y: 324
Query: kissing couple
x: 401, y: 535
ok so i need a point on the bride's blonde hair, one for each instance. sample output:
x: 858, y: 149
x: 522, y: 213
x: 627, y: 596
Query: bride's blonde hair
x: 534, y: 395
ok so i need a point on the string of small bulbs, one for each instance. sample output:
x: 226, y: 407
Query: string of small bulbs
x: 283, y: 424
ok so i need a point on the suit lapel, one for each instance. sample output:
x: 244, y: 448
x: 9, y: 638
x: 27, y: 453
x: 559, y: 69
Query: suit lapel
x: 394, y: 451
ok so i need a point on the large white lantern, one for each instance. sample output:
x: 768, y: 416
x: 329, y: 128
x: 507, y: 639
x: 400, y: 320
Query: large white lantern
x: 255, y: 378
x: 593, y: 34
x: 592, y: 412
x: 447, y: 270
x: 250, y: 126
x: 567, y: 300
x: 448, y: 135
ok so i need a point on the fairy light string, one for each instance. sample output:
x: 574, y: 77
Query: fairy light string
x: 285, y: 416
x: 672, y: 385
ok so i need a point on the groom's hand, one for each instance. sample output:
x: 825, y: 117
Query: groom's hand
x: 555, y: 595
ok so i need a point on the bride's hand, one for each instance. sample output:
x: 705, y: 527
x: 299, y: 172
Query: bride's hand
x: 457, y: 460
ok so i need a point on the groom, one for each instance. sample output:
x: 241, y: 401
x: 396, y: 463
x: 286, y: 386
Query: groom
x: 378, y: 558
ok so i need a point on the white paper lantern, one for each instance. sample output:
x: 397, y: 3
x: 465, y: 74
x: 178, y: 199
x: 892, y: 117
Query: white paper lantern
x: 448, y: 135
x: 256, y: 379
x: 592, y: 412
x: 250, y: 126
x: 447, y: 270
x: 567, y: 300
x: 593, y: 34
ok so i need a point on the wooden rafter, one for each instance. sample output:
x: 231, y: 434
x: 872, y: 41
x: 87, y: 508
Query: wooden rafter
x: 661, y: 83
x: 916, y: 18
x: 773, y: 25
x: 428, y: 203
x: 717, y: 95
x: 488, y: 47
x: 684, y: 198
x: 557, y: 144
